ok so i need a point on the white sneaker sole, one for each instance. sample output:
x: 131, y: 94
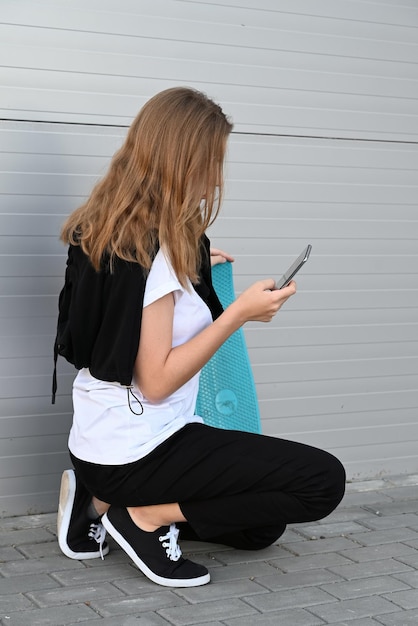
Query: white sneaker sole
x: 65, y: 506
x: 165, y: 582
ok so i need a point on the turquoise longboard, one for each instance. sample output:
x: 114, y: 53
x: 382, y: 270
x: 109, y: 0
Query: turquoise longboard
x: 227, y: 396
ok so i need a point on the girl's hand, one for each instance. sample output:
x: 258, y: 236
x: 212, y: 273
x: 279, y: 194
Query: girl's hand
x: 261, y: 301
x: 219, y: 256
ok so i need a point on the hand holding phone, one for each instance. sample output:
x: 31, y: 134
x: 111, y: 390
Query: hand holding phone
x: 294, y: 268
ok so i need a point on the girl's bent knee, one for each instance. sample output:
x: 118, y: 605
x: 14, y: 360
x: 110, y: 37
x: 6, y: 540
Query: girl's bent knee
x: 334, y: 485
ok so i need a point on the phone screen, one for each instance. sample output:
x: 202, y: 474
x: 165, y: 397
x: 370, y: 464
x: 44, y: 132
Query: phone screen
x: 294, y: 268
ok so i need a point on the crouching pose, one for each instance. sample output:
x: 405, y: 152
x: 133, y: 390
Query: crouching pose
x: 139, y: 318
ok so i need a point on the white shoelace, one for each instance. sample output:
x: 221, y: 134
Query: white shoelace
x: 169, y: 542
x: 98, y: 533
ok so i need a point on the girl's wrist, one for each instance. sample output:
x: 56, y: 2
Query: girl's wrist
x: 234, y: 316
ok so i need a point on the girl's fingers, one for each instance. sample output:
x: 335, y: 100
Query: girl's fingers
x: 219, y: 256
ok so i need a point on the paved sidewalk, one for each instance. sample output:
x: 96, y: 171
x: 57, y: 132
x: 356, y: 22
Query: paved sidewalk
x: 358, y: 567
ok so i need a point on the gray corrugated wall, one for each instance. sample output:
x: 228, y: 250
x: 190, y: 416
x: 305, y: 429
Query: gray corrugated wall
x: 324, y: 100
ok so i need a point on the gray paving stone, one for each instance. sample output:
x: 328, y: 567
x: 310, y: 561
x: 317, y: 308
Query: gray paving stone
x: 364, y: 587
x: 374, y: 568
x: 27, y: 582
x: 411, y: 578
x: 28, y: 521
x: 292, y: 617
x: 387, y: 491
x: 29, y: 535
x: 135, y: 585
x: 248, y: 556
x: 145, y: 619
x: 403, y: 480
x: 367, y: 621
x: 14, y: 602
x: 40, y: 550
x: 38, y: 566
x: 405, y: 618
x: 402, y: 520
x: 312, y: 561
x: 150, y: 601
x: 405, y: 599
x: 242, y: 571
x: 291, y: 535
x: 383, y: 551
x: 54, y: 616
x: 409, y: 559
x: 217, y: 591
x: 92, y: 575
x: 391, y: 535
x: 310, y: 578
x: 211, y: 624
x: 366, y: 485
x: 9, y: 553
x: 405, y: 493
x: 196, y: 547
x: 74, y: 595
x: 345, y: 514
x: 320, y: 546
x: 394, y: 508
x: 200, y: 613
x: 376, y: 498
x: 332, y: 530
x: 291, y: 598
x: 354, y: 609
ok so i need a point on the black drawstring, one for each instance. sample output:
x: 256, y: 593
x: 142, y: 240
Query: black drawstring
x: 129, y: 390
x: 54, y: 375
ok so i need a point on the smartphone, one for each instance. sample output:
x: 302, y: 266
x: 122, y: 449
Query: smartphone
x: 294, y: 268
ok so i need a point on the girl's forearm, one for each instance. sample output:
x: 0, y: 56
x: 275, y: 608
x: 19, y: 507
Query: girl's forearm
x: 160, y: 373
x: 184, y: 361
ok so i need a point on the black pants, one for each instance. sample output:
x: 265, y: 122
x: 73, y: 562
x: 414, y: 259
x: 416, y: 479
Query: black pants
x: 233, y: 487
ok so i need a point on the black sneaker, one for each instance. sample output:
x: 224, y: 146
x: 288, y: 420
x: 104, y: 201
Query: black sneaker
x: 156, y: 553
x: 78, y: 536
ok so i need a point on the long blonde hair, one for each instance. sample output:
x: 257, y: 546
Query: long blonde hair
x: 164, y: 186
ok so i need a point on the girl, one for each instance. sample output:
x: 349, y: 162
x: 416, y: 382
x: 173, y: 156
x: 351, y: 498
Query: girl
x: 139, y: 318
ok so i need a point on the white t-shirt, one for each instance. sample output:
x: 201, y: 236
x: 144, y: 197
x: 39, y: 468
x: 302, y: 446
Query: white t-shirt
x: 105, y: 430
